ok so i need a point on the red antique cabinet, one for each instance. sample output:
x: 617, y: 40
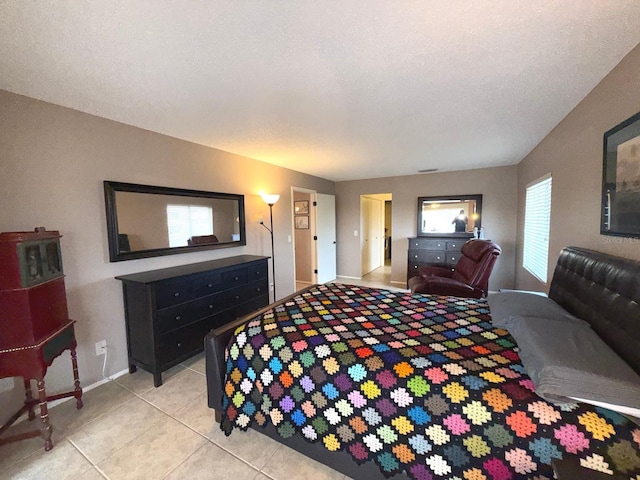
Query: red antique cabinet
x: 34, y: 322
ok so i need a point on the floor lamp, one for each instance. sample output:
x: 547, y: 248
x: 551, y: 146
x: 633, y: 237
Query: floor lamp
x: 271, y: 200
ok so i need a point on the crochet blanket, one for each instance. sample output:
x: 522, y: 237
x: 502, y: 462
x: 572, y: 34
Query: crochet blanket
x: 416, y: 383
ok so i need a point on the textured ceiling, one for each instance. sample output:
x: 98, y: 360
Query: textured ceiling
x: 342, y: 90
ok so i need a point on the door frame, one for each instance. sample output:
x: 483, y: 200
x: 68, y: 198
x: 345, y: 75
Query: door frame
x: 312, y: 230
x: 382, y: 197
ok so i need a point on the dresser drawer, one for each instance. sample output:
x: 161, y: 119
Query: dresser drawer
x: 254, y: 304
x: 174, y: 292
x: 427, y: 244
x: 426, y: 256
x: 452, y: 258
x: 237, y: 276
x: 413, y: 269
x: 455, y: 245
x: 204, y: 285
x: 244, y: 293
x: 256, y: 272
x: 184, y: 342
x: 189, y: 312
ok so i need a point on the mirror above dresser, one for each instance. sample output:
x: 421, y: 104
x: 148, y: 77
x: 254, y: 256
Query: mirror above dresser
x: 147, y: 221
x: 449, y: 214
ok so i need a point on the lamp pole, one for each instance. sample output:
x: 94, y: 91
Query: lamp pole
x: 271, y: 200
x: 273, y: 252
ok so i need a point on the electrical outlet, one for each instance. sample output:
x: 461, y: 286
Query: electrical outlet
x: 101, y: 347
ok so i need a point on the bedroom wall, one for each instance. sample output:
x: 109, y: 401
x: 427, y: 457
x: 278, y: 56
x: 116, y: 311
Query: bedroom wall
x: 54, y: 161
x: 572, y: 152
x: 497, y: 185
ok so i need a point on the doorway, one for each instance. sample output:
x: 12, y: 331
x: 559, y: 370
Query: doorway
x: 314, y: 237
x: 375, y: 239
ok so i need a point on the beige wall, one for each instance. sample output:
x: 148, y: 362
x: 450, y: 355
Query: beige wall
x: 498, y: 189
x: 572, y: 153
x: 53, y: 163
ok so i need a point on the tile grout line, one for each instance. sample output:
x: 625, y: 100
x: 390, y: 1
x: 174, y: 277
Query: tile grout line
x: 94, y: 465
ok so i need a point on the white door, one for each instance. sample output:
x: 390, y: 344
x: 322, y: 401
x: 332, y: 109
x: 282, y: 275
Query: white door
x: 326, y: 233
x: 375, y: 235
x: 372, y: 231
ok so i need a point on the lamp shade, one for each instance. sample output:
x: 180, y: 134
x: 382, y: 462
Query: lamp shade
x: 270, y: 199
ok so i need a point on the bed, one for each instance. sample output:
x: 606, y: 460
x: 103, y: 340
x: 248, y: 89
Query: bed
x: 380, y: 384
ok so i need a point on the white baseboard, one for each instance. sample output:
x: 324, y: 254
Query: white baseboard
x: 90, y: 387
x: 351, y: 278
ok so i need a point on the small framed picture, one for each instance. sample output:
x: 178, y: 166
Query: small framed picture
x: 301, y: 207
x: 302, y: 222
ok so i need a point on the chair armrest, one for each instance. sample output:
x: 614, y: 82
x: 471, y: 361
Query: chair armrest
x: 435, y: 271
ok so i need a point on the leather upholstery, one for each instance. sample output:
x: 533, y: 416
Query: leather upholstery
x: 202, y: 240
x: 603, y: 290
x: 470, y: 278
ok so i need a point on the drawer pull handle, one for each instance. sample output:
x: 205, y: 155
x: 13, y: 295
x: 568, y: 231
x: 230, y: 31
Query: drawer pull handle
x: 237, y: 297
x: 178, y: 318
x: 438, y: 257
x: 258, y: 289
x: 415, y: 256
x: 177, y: 294
x: 211, y: 306
x: 235, y: 279
x: 209, y: 285
x: 179, y: 344
x: 258, y: 272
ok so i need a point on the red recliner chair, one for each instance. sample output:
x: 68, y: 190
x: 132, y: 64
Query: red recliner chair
x: 470, y: 277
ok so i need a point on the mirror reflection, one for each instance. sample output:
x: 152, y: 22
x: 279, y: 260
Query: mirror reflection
x: 146, y: 221
x: 449, y: 214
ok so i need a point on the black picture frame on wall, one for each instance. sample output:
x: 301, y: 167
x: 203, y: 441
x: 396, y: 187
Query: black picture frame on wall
x: 620, y: 206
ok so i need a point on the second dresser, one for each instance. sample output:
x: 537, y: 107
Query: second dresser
x: 435, y: 251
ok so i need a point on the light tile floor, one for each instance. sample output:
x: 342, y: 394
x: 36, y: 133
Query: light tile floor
x: 128, y: 429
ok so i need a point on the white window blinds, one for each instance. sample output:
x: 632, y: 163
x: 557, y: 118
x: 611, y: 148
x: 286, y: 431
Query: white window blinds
x: 186, y: 221
x: 536, y: 228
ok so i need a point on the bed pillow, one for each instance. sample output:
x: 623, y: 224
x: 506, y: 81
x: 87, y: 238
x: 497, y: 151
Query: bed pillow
x: 570, y: 361
x: 505, y: 306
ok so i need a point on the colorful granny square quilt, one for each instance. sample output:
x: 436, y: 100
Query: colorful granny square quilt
x: 415, y: 383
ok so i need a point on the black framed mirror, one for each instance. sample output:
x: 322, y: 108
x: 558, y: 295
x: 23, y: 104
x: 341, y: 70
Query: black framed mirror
x: 147, y: 221
x: 449, y: 214
x: 620, y: 207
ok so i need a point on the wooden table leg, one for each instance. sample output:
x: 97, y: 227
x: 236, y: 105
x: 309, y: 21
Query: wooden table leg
x: 29, y: 403
x: 76, y: 379
x: 44, y: 415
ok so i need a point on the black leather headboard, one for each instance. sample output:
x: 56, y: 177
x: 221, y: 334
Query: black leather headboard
x: 604, y: 290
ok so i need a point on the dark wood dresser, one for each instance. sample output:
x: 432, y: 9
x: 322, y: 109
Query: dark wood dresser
x: 169, y: 311
x: 440, y: 251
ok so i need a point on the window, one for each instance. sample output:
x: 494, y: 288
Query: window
x: 537, y: 213
x: 186, y: 221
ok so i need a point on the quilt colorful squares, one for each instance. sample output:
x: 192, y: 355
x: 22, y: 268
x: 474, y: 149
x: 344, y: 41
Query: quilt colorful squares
x: 418, y: 383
